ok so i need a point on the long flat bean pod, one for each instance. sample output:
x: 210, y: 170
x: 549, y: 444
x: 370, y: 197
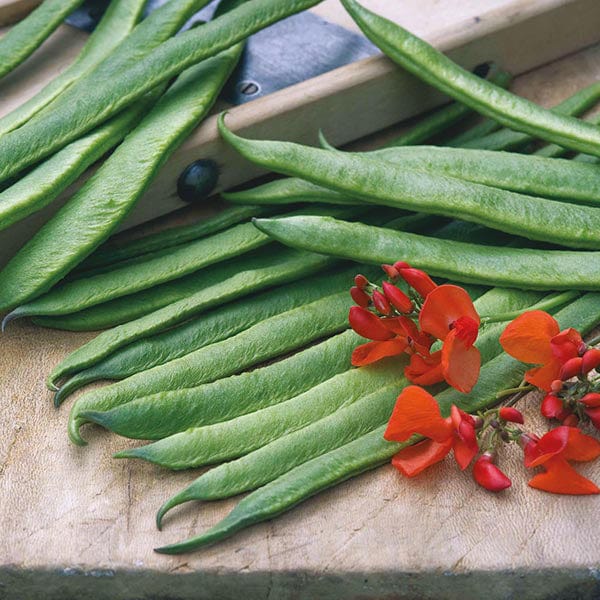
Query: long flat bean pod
x: 95, y: 211
x: 44, y: 135
x: 508, y: 139
x: 380, y: 182
x: 470, y: 263
x: 371, y: 450
x: 117, y: 22
x: 115, y: 251
x: 269, y: 338
x: 216, y: 325
x: 286, y: 266
x: 25, y: 37
x: 169, y: 265
x: 539, y: 176
x: 556, y: 151
x: 435, y: 68
x: 200, y: 446
x: 221, y: 441
x: 165, y: 413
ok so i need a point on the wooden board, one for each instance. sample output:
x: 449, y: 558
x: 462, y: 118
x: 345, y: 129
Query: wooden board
x: 370, y: 94
x: 76, y: 524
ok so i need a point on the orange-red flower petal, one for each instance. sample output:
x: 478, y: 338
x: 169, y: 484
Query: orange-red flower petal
x: 410, y: 461
x: 566, y: 344
x: 425, y: 370
x: 561, y: 478
x: 371, y: 352
x: 542, y: 377
x: 528, y: 337
x: 460, y: 363
x: 443, y: 306
x: 416, y: 411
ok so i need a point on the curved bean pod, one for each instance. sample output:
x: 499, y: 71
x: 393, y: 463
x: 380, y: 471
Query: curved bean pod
x: 215, y: 326
x: 470, y: 263
x: 46, y: 134
x: 95, y: 211
x: 286, y: 266
x: 435, y: 68
x: 165, y: 413
x: 25, y: 37
x: 200, y: 446
x: 507, y: 139
x: 114, y: 250
x: 267, y: 339
x: 116, y: 24
x: 380, y: 182
x: 371, y: 450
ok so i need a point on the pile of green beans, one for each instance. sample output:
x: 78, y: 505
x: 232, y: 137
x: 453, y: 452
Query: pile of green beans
x: 381, y: 182
x: 361, y: 454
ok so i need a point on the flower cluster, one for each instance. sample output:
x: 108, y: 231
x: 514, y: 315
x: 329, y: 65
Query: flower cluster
x: 437, y: 326
x: 411, y: 322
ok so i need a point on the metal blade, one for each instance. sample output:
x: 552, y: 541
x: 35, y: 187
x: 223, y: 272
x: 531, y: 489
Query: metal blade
x: 288, y: 52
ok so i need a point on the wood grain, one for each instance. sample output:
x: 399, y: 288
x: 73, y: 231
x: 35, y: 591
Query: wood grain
x: 77, y: 524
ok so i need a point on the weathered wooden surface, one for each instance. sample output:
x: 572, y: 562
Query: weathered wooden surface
x: 77, y: 524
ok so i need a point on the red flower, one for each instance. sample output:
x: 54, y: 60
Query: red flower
x: 534, y: 337
x: 488, y: 475
x: 417, y: 412
x: 553, y: 451
x: 449, y: 315
x: 416, y: 279
x: 511, y: 414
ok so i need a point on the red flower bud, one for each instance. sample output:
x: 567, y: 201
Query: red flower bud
x: 590, y: 360
x: 360, y: 296
x: 571, y: 420
x: 571, y: 368
x: 361, y: 281
x: 418, y: 280
x: 400, y: 264
x: 556, y: 386
x: 591, y: 400
x: 511, y: 414
x: 381, y: 303
x: 391, y: 271
x: 399, y: 300
x: 553, y: 408
x: 368, y: 325
x: 594, y: 416
x: 488, y: 475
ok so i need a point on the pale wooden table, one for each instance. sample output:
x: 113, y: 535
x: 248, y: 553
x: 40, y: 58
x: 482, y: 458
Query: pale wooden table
x: 77, y: 524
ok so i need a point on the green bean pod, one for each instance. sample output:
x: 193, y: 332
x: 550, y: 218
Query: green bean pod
x: 116, y: 24
x: 172, y: 264
x: 79, y: 112
x: 165, y: 413
x: 371, y: 450
x: 380, y: 182
x: 435, y: 68
x: 200, y: 446
x: 507, y: 139
x: 539, y: 176
x: 95, y: 211
x: 524, y: 268
x: 269, y: 338
x: 556, y: 151
x: 25, y: 37
x: 285, y: 266
x: 115, y: 251
x: 216, y: 325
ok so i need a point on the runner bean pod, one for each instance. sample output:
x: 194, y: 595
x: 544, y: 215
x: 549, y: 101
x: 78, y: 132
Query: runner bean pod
x: 435, y: 68
x: 524, y: 268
